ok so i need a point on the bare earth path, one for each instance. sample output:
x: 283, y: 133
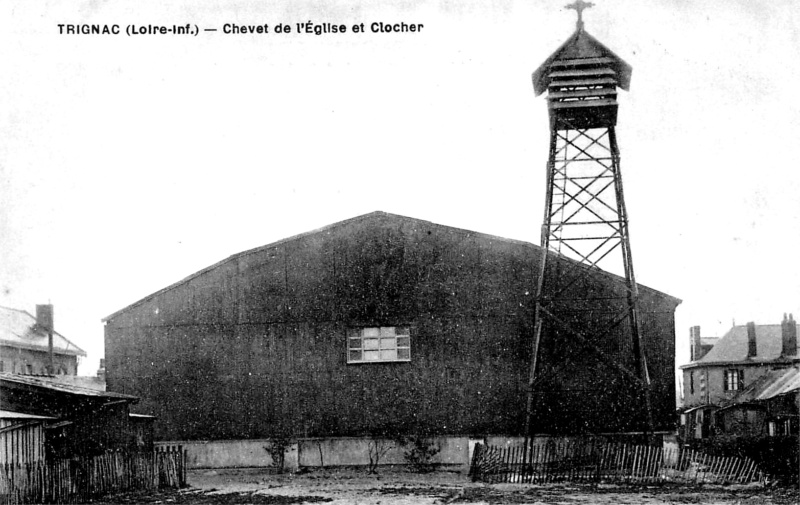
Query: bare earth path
x: 400, y: 487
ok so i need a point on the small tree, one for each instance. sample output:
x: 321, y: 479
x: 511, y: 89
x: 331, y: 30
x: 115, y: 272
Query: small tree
x: 377, y: 449
x: 382, y: 439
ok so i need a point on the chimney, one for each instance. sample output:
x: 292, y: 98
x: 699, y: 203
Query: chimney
x: 44, y: 318
x: 101, y: 372
x: 751, y: 340
x: 696, y: 349
x: 788, y: 336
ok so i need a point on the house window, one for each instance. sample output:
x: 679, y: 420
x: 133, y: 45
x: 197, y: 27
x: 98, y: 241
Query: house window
x: 691, y: 382
x: 378, y: 345
x: 734, y: 380
x: 779, y: 428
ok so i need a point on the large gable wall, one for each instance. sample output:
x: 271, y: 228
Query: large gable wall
x: 259, y: 341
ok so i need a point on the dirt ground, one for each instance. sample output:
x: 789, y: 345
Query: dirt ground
x: 397, y: 486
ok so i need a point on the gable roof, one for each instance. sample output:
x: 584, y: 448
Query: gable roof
x: 581, y: 45
x: 365, y: 217
x: 18, y: 329
x: 732, y: 347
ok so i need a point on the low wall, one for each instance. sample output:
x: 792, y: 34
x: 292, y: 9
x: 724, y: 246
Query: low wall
x: 355, y: 451
x: 658, y: 438
x: 232, y: 454
x: 315, y: 452
x: 342, y: 451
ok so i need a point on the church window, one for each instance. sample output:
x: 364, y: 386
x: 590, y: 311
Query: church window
x: 379, y: 345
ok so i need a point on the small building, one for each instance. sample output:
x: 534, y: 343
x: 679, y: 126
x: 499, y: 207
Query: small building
x: 24, y: 344
x: 79, y: 420
x: 768, y: 406
x: 746, y: 358
x: 21, y: 437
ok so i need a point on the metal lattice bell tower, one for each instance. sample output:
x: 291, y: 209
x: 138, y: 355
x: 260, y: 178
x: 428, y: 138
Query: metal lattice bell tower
x: 585, y: 222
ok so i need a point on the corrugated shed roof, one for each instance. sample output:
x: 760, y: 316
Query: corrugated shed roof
x: 18, y: 329
x: 7, y: 414
x: 774, y: 383
x: 54, y: 384
x: 786, y: 383
x: 733, y: 345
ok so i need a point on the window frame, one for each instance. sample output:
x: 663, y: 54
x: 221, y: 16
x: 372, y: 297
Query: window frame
x: 385, y: 344
x: 733, y: 379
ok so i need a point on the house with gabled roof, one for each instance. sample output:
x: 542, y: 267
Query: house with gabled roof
x: 745, y: 356
x: 25, y: 347
x: 380, y: 322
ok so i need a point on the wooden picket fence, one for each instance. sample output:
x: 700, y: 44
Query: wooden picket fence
x: 580, y: 461
x: 79, y: 480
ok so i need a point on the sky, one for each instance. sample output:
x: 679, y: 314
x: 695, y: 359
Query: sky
x: 130, y: 162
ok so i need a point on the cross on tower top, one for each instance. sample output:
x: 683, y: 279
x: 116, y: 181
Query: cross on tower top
x: 579, y: 6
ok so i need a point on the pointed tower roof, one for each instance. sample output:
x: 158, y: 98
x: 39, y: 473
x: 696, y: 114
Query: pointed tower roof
x: 582, y: 78
x: 579, y: 50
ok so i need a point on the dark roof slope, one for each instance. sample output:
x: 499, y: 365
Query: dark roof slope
x: 365, y: 217
x: 732, y: 347
x: 54, y: 384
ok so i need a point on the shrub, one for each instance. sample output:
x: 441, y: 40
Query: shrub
x: 278, y: 444
x: 777, y: 456
x: 420, y: 452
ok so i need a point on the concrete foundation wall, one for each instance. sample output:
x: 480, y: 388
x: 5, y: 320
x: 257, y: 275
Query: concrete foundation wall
x: 342, y: 451
x: 355, y: 451
x: 316, y: 452
x: 232, y: 454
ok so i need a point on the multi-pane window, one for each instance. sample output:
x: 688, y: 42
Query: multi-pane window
x: 376, y: 345
x: 734, y: 380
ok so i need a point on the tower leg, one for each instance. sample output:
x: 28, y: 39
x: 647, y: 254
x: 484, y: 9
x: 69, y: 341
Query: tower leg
x: 544, y: 241
x: 585, y: 217
x: 630, y: 281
